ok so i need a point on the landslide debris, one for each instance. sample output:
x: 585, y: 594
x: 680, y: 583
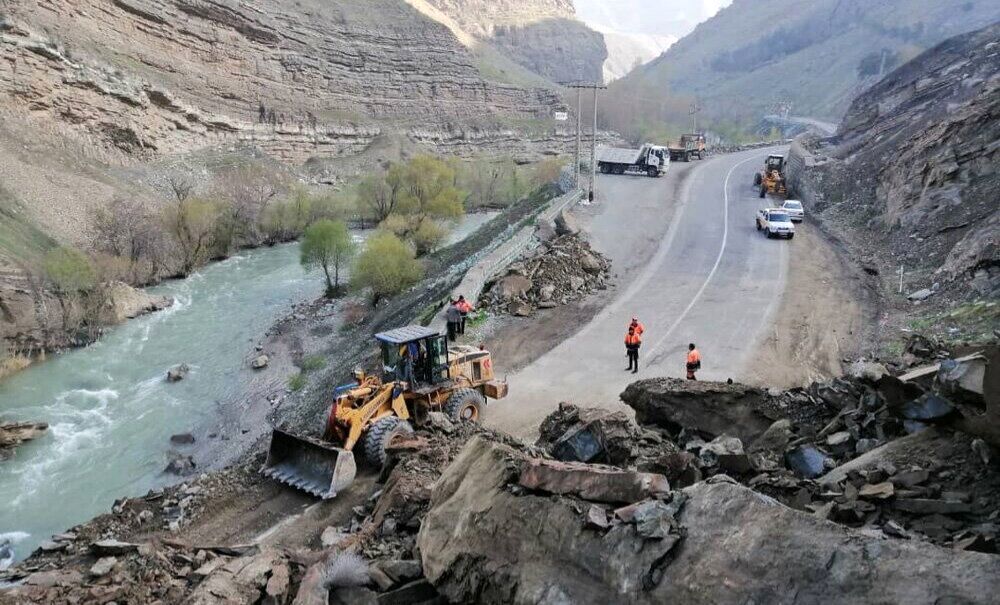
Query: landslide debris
x: 602, y: 509
x: 559, y: 271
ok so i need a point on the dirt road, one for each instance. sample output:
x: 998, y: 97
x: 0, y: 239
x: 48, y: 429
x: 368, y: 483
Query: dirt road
x: 691, y: 265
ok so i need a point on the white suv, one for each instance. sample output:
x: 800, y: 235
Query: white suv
x: 775, y: 222
x: 795, y: 210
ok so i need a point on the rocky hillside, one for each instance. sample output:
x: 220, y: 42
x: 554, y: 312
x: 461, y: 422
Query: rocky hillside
x: 543, y: 36
x: 816, y: 56
x: 100, y: 99
x: 915, y: 165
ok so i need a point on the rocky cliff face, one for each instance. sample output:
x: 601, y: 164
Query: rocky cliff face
x: 915, y: 164
x: 143, y: 78
x: 545, y: 37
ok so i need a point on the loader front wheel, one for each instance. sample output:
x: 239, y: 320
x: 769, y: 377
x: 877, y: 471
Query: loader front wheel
x: 756, y: 179
x: 465, y: 405
x: 380, y: 434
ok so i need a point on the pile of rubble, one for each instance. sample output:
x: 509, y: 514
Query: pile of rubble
x: 559, y: 271
x: 868, y: 451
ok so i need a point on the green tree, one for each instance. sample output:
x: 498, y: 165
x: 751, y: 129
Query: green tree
x: 69, y: 271
x: 386, y: 266
x: 327, y: 244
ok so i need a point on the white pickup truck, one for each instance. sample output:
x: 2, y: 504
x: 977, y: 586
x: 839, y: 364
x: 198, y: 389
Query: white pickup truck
x: 775, y: 222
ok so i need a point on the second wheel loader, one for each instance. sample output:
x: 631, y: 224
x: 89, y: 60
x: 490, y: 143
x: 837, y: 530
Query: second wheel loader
x: 772, y: 178
x: 420, y: 374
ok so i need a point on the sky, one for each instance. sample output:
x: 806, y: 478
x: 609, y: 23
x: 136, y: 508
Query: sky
x: 667, y: 18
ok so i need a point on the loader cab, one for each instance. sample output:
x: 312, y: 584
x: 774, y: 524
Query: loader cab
x: 774, y: 162
x: 414, y: 348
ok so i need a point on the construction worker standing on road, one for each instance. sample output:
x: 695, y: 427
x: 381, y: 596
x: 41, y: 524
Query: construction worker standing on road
x: 632, y: 343
x: 464, y: 308
x: 637, y: 326
x: 454, y: 318
x: 693, y: 361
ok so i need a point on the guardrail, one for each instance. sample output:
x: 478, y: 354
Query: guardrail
x: 479, y: 274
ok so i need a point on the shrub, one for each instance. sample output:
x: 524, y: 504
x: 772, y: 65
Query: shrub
x: 297, y: 383
x: 312, y: 363
x: 69, y: 271
x: 386, y: 266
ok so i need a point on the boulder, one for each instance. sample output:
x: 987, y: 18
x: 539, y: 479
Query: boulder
x: 180, y: 464
x: 519, y: 308
x: 182, y: 439
x: 13, y: 434
x: 807, y: 461
x: 715, y: 408
x: 591, y: 482
x: 546, y: 292
x: 566, y: 224
x: 483, y: 542
x: 590, y: 263
x: 178, y: 373
x: 927, y: 407
x: 920, y: 295
x: 575, y: 434
x: 743, y: 547
x: 103, y: 566
x: 113, y: 547
x: 513, y: 286
x: 260, y: 362
x: 479, y: 542
x: 545, y: 230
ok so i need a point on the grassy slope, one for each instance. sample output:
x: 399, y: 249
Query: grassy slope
x: 821, y: 77
x: 20, y: 241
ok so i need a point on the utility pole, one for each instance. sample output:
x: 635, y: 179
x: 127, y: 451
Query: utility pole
x: 695, y: 108
x: 593, y: 154
x: 579, y: 86
x: 579, y: 128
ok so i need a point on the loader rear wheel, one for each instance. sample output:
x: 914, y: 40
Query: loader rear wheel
x: 465, y: 405
x: 380, y: 434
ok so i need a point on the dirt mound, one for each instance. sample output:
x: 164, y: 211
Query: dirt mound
x: 558, y: 272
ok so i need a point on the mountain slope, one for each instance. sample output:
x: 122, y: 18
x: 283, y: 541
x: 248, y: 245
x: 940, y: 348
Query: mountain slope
x: 543, y: 36
x: 88, y: 87
x: 816, y: 56
x: 912, y: 174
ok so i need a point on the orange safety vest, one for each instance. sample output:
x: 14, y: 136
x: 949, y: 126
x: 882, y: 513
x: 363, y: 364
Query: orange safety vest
x: 632, y: 340
x: 638, y: 327
x: 694, y: 357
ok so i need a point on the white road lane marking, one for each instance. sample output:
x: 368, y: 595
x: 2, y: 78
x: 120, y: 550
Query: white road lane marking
x: 715, y: 267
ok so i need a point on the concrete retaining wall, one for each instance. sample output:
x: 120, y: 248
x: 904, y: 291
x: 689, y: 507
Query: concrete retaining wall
x: 495, y: 261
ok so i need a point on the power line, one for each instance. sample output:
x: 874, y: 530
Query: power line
x: 579, y: 86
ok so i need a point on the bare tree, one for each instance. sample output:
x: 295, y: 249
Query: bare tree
x: 180, y: 186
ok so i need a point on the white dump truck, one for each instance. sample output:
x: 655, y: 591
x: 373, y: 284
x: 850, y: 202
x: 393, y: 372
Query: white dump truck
x: 649, y: 160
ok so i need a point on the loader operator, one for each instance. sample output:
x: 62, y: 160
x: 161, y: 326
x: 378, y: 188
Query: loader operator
x: 693, y: 362
x: 632, y: 343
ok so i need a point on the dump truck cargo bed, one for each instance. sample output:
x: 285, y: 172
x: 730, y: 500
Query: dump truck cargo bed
x: 311, y: 465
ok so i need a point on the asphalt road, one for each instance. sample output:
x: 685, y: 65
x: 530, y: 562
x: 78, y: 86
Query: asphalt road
x: 691, y: 266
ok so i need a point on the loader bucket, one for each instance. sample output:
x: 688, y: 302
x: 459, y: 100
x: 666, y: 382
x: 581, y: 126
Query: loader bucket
x: 309, y: 464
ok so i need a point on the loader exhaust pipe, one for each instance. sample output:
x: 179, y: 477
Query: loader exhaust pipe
x: 311, y: 465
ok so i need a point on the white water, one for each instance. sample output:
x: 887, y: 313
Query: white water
x: 109, y: 408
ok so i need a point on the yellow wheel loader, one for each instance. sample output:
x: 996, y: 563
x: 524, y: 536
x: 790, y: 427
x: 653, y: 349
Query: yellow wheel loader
x: 420, y: 374
x: 772, y: 178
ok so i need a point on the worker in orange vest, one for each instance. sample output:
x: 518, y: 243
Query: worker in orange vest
x: 632, y: 343
x: 637, y: 326
x: 464, y: 308
x: 693, y: 361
